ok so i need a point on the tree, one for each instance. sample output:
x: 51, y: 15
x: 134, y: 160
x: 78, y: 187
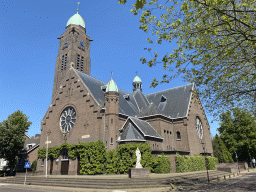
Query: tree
x: 220, y: 150
x: 12, y: 138
x: 238, y: 131
x: 215, y: 47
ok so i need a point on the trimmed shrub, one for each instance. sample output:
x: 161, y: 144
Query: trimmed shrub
x: 211, y: 161
x: 161, y: 164
x: 189, y: 163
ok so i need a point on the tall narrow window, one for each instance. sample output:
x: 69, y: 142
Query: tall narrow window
x: 178, y: 135
x: 77, y: 62
x: 111, y: 121
x: 82, y: 63
x: 42, y: 163
x: 111, y: 140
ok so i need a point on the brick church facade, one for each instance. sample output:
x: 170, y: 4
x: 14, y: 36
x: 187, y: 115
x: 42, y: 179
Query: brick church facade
x: 86, y: 109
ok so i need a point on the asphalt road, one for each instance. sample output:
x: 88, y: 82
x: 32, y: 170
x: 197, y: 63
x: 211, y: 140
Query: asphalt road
x: 245, y: 183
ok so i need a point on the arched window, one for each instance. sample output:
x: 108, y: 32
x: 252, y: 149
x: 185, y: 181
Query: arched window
x: 111, y: 140
x: 153, y: 146
x: 42, y: 163
x: 178, y: 135
x: 111, y: 121
x: 164, y: 131
x: 167, y: 132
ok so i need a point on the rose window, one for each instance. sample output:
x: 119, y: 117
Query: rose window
x: 67, y: 119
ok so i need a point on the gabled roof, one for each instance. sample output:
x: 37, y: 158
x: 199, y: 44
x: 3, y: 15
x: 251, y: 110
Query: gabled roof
x: 131, y: 133
x: 172, y: 103
x: 176, y: 103
x: 144, y: 128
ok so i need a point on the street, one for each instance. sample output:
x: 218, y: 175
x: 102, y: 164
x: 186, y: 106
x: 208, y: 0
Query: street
x: 247, y: 182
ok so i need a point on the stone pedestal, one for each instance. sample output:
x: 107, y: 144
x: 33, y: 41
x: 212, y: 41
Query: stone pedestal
x: 139, y: 173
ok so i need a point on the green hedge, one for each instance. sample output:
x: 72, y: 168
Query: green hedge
x: 194, y: 163
x: 161, y: 164
x: 211, y: 161
x: 189, y: 163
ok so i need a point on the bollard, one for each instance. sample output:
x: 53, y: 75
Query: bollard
x: 224, y: 177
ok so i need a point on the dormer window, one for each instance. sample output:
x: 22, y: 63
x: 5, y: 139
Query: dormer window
x: 127, y: 97
x: 103, y: 88
x: 163, y: 98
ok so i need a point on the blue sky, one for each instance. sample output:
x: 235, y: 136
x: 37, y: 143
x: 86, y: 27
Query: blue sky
x: 29, y: 47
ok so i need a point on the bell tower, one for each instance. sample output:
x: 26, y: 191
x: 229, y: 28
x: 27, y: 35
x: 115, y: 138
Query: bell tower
x: 74, y: 47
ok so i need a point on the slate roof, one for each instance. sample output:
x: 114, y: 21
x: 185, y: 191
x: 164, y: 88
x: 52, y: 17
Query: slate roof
x: 131, y: 134
x: 176, y: 100
x: 172, y: 102
x: 145, y: 128
x: 137, y: 130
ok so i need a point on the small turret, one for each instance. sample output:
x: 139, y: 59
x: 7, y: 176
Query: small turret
x: 137, y: 84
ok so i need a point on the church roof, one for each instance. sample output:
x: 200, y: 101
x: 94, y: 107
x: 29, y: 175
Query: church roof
x: 76, y: 20
x: 137, y: 130
x: 172, y: 102
x: 131, y: 134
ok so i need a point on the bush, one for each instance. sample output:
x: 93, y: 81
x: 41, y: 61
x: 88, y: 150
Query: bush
x: 161, y: 164
x: 211, y: 161
x: 33, y: 166
x: 189, y: 163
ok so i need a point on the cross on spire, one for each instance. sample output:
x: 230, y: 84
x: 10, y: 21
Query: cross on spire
x: 136, y: 73
x: 111, y: 74
x: 77, y: 6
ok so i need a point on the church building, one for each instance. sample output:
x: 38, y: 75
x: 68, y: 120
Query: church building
x: 85, y: 109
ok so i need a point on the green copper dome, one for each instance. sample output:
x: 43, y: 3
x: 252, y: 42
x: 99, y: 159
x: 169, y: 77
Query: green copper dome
x: 76, y: 20
x: 111, y: 86
x: 136, y: 79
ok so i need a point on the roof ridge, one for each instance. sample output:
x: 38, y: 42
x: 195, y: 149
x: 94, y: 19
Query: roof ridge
x: 170, y: 88
x: 99, y: 80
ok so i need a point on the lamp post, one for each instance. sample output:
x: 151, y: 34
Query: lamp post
x: 48, y: 133
x: 203, y: 144
x: 237, y: 162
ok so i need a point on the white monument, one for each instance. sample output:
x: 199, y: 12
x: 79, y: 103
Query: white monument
x: 138, y: 171
x: 138, y: 155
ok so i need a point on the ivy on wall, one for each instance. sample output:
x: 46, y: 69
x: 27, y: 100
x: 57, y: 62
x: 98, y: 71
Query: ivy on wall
x: 94, y: 158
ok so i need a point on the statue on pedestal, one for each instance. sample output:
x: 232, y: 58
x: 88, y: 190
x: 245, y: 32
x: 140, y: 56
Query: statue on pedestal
x: 138, y: 155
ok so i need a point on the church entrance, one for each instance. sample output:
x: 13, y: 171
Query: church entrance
x: 78, y: 165
x: 64, y: 167
x: 64, y: 163
x: 51, y: 166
